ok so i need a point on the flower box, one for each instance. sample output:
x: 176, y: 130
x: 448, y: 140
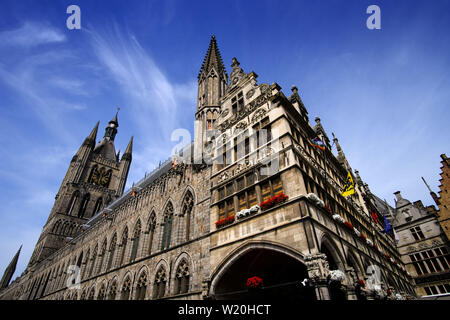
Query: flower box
x: 337, y: 275
x: 224, y: 221
x: 361, y: 283
x: 363, y: 236
x: 254, y: 282
x: 338, y: 218
x: 280, y: 198
x: 348, y: 225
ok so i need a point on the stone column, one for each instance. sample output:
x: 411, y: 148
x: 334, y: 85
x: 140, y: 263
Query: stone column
x: 351, y: 281
x: 318, y: 270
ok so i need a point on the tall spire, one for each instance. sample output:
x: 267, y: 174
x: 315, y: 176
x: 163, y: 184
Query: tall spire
x: 213, y: 59
x: 129, y: 148
x: 9, y: 271
x: 93, y: 135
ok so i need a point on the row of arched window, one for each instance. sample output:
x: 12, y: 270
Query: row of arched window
x: 159, y: 288
x: 119, y: 251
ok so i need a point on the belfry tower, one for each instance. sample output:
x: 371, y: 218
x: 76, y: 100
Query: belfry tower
x: 95, y: 177
x: 212, y: 85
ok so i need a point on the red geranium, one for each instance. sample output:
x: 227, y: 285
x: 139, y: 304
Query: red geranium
x: 361, y: 283
x: 279, y: 198
x: 254, y: 282
x: 348, y: 225
x: 224, y: 221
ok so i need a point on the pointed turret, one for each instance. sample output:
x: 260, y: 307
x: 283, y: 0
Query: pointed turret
x: 320, y: 131
x: 93, y: 135
x: 341, y: 157
x: 125, y: 163
x: 9, y: 272
x: 212, y: 78
x: 212, y: 59
x: 106, y: 146
x: 128, y: 150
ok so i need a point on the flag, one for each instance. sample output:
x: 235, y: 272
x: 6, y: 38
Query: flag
x: 316, y: 142
x: 374, y: 217
x: 387, y: 226
x: 349, y: 187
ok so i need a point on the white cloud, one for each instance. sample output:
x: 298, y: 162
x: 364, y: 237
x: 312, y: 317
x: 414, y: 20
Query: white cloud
x: 31, y: 34
x: 155, y: 103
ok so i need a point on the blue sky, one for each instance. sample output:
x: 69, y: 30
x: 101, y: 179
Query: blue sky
x: 384, y: 93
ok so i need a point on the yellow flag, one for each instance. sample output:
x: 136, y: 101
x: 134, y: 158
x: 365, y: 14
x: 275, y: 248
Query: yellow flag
x: 349, y: 187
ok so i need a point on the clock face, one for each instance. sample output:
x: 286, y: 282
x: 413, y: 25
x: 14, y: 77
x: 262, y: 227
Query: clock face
x: 101, y: 177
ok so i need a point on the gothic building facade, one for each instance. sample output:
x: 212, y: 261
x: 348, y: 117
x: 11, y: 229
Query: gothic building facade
x: 250, y: 197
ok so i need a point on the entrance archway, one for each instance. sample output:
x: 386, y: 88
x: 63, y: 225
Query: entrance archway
x: 282, y: 276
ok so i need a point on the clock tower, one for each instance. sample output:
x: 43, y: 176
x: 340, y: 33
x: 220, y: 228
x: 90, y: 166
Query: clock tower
x: 96, y: 176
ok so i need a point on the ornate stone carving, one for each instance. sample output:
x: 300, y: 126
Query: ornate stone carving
x: 317, y: 267
x: 250, y: 93
x: 258, y: 115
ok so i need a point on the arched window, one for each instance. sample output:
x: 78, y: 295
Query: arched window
x: 84, y: 205
x: 124, y: 246
x: 141, y: 288
x: 167, y: 227
x: 85, y: 271
x: 72, y: 202
x: 151, y: 231
x: 93, y: 259
x: 98, y: 206
x: 159, y: 289
x: 94, y: 168
x: 182, y: 278
x: 136, y: 238
x: 112, y: 250
x: 112, y: 290
x: 56, y: 227
x: 102, y: 257
x: 102, y: 293
x: 79, y: 262
x: 91, y: 294
x: 188, y: 204
x: 209, y: 120
x: 126, y: 289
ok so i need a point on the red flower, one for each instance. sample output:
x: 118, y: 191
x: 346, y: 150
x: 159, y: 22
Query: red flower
x: 363, y: 236
x: 279, y: 198
x: 254, y: 282
x: 224, y: 221
x: 361, y: 283
x: 348, y: 225
x: 327, y: 209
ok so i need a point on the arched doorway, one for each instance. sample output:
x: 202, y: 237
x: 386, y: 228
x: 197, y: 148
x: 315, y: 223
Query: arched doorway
x: 282, y: 276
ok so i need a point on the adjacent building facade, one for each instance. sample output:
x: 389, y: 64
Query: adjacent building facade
x: 250, y: 197
x: 423, y: 246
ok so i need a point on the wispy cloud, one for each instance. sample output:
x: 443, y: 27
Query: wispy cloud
x: 156, y: 103
x: 31, y: 34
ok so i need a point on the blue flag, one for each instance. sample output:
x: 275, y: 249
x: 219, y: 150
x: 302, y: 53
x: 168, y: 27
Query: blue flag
x: 387, y: 226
